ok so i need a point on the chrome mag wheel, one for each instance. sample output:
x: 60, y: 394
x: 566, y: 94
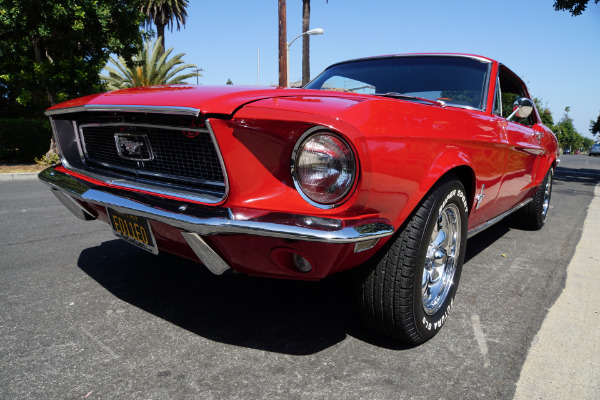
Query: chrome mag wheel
x: 428, y: 250
x: 441, y: 259
x: 547, y: 192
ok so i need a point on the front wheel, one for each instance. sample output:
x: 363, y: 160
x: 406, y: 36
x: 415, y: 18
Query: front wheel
x: 408, y: 292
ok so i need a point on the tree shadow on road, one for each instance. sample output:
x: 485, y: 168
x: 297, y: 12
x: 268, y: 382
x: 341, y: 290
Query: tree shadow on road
x: 587, y: 176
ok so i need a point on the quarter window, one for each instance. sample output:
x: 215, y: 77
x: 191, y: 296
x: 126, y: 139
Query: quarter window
x: 511, y: 89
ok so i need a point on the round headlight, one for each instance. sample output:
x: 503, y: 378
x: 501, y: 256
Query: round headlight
x: 324, y: 168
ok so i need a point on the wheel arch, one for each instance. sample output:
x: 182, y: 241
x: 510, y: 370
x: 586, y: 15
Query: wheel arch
x: 453, y: 163
x: 466, y: 176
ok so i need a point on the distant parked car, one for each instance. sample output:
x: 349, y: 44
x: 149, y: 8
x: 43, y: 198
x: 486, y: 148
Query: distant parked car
x: 383, y: 164
x: 595, y: 150
x: 567, y: 151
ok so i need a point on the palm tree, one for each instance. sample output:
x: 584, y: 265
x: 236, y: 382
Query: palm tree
x: 149, y: 67
x: 162, y: 13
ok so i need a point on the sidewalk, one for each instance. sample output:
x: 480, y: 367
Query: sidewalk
x: 564, y: 359
x: 18, y: 176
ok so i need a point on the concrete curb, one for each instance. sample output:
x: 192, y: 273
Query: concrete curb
x: 18, y: 176
x: 563, y: 361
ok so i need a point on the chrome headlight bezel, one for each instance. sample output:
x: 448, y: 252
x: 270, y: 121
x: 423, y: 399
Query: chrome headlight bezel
x: 347, y: 167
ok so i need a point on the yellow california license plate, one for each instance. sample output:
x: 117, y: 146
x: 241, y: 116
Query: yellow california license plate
x: 133, y: 229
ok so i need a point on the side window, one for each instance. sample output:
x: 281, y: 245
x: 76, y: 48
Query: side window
x: 511, y: 89
x: 498, y: 99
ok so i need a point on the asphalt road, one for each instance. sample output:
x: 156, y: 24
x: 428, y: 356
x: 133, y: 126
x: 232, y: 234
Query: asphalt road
x: 86, y: 315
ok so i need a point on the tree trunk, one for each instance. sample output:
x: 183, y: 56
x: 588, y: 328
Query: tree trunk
x: 39, y: 52
x: 160, y: 33
x: 282, y: 45
x: 39, y: 58
x: 305, y: 42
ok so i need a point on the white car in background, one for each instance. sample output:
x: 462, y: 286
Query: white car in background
x: 595, y: 150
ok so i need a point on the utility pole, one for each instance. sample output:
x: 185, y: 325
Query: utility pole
x: 305, y: 42
x: 282, y: 45
x: 197, y: 71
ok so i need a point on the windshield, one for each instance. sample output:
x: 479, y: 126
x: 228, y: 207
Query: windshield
x: 458, y: 81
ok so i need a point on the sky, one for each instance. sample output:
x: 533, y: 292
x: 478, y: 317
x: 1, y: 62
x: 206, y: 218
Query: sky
x: 556, y: 54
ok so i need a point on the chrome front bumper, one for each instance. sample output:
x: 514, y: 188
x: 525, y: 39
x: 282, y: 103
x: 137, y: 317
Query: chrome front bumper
x: 211, y: 220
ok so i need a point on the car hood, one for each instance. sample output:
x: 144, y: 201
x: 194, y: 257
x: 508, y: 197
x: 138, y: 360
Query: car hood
x: 191, y: 99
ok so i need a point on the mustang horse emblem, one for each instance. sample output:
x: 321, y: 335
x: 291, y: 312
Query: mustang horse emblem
x: 133, y: 147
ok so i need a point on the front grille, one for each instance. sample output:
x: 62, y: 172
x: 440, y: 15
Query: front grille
x: 159, y: 154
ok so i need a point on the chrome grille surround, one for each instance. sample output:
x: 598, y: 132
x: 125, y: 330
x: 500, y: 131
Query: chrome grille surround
x: 66, y: 123
x: 180, y: 164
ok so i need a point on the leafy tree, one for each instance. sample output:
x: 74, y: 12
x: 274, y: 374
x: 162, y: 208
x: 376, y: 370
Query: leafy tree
x: 163, y: 13
x: 51, y: 51
x: 595, y: 126
x: 545, y: 113
x: 567, y: 135
x: 575, y: 7
x: 150, y: 66
x: 587, y: 143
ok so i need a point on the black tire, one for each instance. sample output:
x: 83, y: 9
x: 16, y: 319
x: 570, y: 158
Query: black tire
x: 391, y: 298
x: 533, y: 216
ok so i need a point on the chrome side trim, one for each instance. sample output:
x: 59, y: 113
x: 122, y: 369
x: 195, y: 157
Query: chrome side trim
x: 209, y: 258
x: 126, y: 108
x: 205, y: 220
x: 492, y: 221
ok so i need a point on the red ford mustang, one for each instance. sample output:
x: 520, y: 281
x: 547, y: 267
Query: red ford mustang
x: 384, y: 164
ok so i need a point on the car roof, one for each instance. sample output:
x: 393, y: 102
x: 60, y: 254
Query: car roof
x: 461, y: 55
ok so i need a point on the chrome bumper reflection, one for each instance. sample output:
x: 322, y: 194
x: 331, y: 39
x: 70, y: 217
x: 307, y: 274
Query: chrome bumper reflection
x: 212, y: 220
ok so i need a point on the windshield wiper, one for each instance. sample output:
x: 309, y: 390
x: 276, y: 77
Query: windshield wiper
x: 403, y: 96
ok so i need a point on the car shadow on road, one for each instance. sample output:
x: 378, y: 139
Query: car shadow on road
x: 486, y: 238
x: 284, y: 316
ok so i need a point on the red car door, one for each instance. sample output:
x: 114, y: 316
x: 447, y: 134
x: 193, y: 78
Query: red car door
x: 524, y: 146
x: 522, y: 153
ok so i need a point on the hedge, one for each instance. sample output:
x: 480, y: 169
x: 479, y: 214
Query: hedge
x: 22, y: 140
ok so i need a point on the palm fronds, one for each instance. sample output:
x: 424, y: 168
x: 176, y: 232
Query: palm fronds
x: 147, y: 68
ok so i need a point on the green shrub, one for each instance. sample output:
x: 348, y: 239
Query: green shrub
x: 22, y: 140
x: 48, y: 159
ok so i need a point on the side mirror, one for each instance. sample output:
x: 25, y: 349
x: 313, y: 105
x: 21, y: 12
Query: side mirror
x: 522, y: 108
